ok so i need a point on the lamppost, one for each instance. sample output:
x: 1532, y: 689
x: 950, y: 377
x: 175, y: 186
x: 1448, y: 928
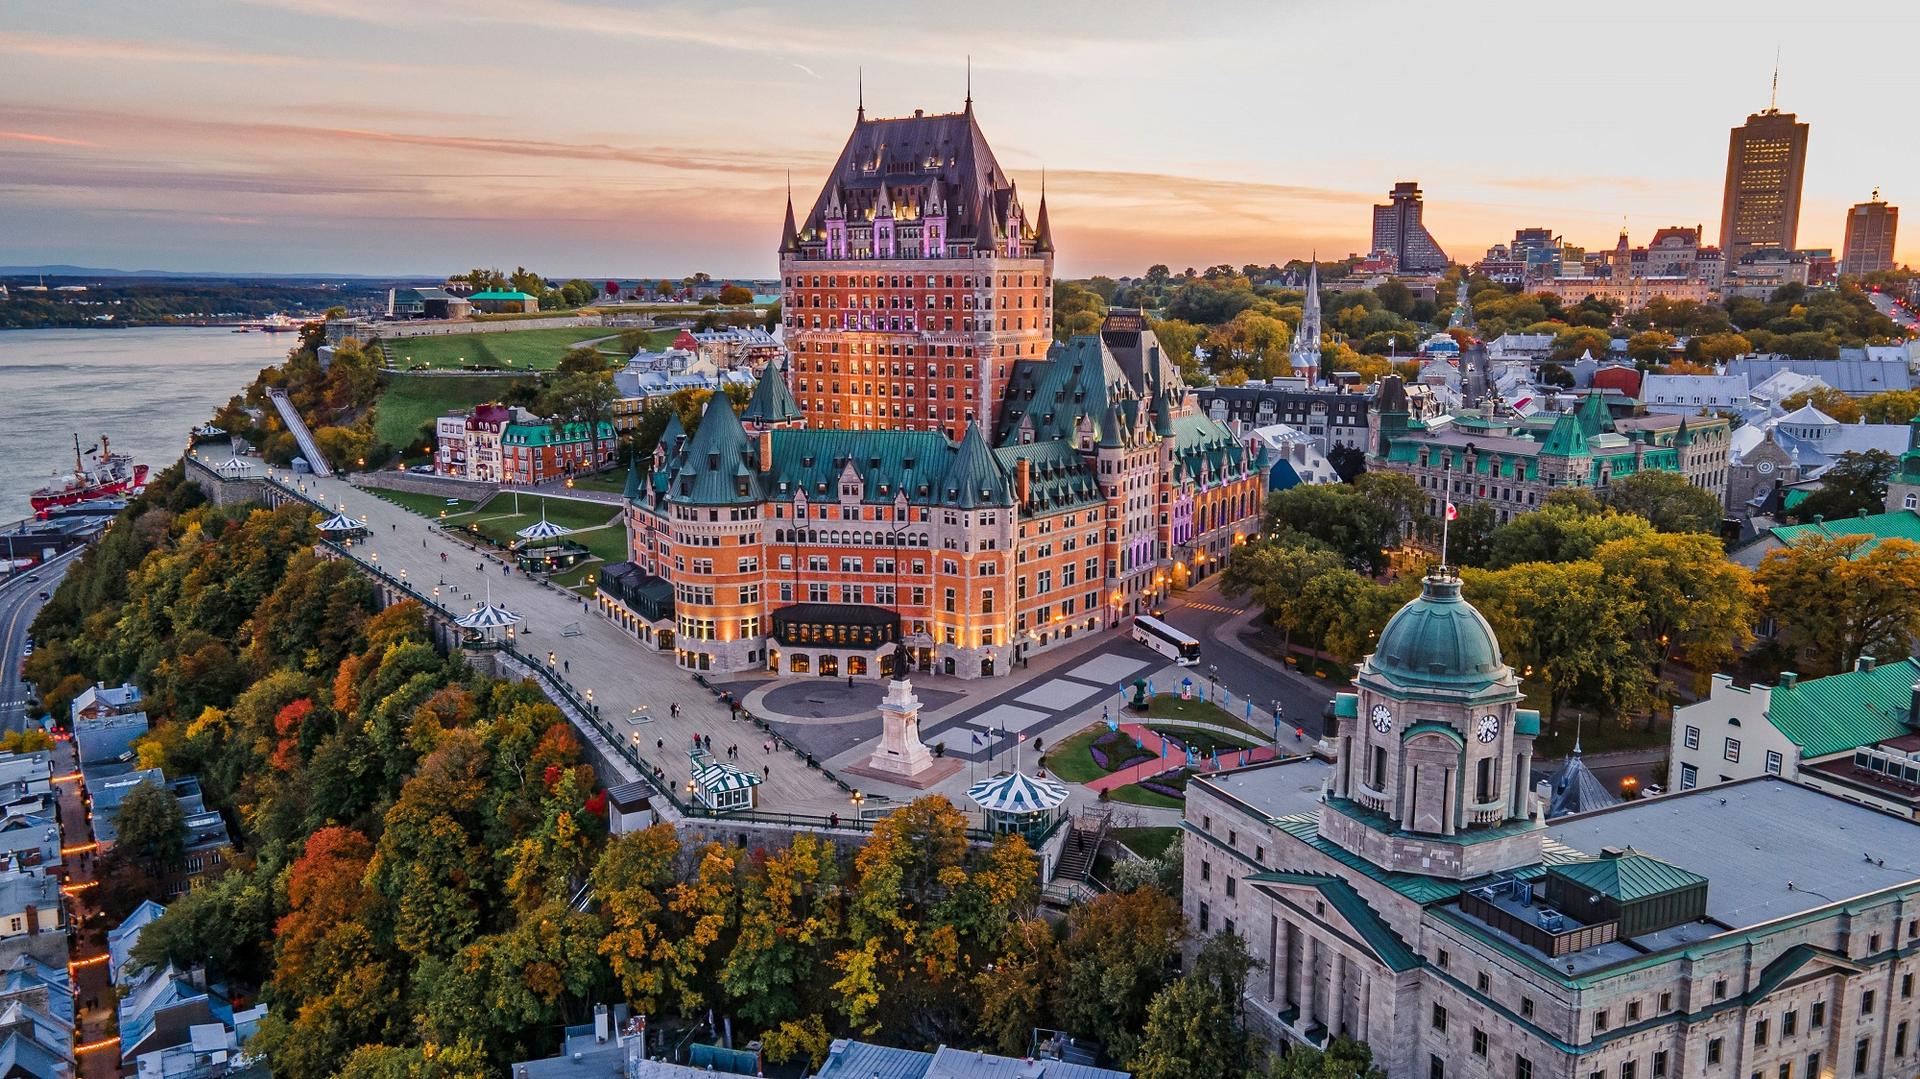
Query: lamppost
x: 1213, y: 677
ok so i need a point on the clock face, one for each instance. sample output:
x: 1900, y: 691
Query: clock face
x: 1487, y: 728
x: 1382, y: 718
x: 1766, y: 468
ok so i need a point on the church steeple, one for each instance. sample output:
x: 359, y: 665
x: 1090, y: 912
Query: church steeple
x: 1305, y: 354
x: 789, y: 235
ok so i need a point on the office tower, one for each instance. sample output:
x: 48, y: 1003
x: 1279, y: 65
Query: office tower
x: 1766, y: 160
x: 1870, y: 230
x: 1397, y: 230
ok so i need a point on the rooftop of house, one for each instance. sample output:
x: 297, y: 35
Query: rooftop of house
x: 101, y: 695
x: 1895, y: 524
x: 18, y: 891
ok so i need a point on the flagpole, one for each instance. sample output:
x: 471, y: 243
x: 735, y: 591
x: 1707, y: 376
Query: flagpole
x: 1446, y: 519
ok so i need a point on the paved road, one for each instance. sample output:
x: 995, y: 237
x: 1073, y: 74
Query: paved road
x: 1894, y: 311
x: 634, y: 687
x: 19, y: 602
x: 93, y: 1003
x: 1206, y: 614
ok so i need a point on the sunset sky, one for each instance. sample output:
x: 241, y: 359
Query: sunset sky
x: 603, y: 139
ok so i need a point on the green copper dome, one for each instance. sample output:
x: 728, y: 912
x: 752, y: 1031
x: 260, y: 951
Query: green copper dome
x: 1439, y: 641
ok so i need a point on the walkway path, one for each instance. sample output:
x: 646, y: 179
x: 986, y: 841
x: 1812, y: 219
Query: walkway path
x: 93, y: 1009
x: 637, y: 690
x: 1170, y: 756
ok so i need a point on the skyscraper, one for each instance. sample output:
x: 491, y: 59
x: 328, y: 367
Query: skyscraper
x: 1397, y: 230
x: 1870, y: 229
x: 916, y: 281
x: 1766, y: 160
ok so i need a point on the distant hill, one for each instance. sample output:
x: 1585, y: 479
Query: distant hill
x: 63, y: 270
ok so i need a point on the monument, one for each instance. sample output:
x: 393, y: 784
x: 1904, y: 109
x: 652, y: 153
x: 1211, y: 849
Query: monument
x: 900, y: 757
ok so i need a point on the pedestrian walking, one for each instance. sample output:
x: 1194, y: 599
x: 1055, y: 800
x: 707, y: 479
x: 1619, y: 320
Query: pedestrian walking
x: 766, y: 771
x: 673, y: 709
x: 849, y: 681
x: 768, y: 746
x: 567, y: 665
x: 660, y: 744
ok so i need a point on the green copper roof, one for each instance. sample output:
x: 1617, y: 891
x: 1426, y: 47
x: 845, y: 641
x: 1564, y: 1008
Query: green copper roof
x: 1431, y: 726
x: 633, y: 480
x: 1438, y: 641
x: 887, y: 463
x: 772, y: 401
x: 1567, y: 439
x: 547, y: 434
x: 1526, y: 721
x: 1060, y: 477
x: 1844, y: 711
x: 717, y: 468
x: 1899, y: 524
x: 1424, y: 890
x: 974, y: 479
x: 1378, y: 936
x: 494, y: 294
x: 1079, y: 381
x: 1629, y: 876
x: 1205, y: 452
x: 1593, y: 415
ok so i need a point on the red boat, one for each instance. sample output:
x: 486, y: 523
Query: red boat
x: 109, y: 475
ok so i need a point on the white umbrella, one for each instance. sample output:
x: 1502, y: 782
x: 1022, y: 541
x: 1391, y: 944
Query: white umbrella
x: 340, y: 522
x: 234, y: 464
x: 542, y: 529
x: 487, y: 616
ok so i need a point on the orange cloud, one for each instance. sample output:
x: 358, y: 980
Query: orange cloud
x: 56, y: 140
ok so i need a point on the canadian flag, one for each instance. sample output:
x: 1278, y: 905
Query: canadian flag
x: 1452, y: 513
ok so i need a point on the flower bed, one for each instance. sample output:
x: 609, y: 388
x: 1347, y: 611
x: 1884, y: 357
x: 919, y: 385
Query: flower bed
x: 1171, y: 784
x: 1114, y: 751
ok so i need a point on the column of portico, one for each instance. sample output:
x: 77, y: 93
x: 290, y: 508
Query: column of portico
x: 1522, y: 779
x: 1336, y: 997
x: 1282, y: 976
x: 1310, y: 947
x: 1366, y: 1004
x: 1450, y: 806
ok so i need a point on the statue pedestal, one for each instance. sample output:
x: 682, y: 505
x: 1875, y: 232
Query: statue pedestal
x: 900, y: 757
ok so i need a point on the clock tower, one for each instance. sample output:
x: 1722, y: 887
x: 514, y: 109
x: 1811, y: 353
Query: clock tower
x: 1434, y: 752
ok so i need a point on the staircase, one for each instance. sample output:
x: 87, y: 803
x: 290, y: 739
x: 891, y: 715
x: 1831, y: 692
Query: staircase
x: 1084, y: 836
x: 297, y: 427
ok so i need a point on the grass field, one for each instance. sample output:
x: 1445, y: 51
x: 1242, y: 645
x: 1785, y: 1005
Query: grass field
x: 1135, y: 794
x: 408, y: 403
x: 537, y: 349
x: 1170, y: 706
x: 1202, y: 741
x: 1069, y: 761
x: 1146, y: 842
x: 565, y: 512
x: 423, y: 504
x: 613, y: 480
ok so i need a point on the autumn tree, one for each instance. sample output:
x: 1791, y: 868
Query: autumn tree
x: 1650, y: 346
x: 1194, y: 1026
x: 1827, y: 399
x: 788, y: 920
x: 1855, y: 484
x: 1565, y: 529
x: 1668, y: 500
x: 1575, y: 629
x: 1837, y: 598
x: 1343, y: 1058
x: 1691, y: 598
x: 1014, y: 991
x: 1115, y: 957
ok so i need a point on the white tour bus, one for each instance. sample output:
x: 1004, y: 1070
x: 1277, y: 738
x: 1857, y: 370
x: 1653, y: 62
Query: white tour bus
x: 1166, y: 640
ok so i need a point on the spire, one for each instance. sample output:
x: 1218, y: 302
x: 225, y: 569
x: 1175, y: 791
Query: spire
x: 860, y: 91
x: 1042, y: 231
x: 1773, y: 99
x: 789, y: 236
x: 633, y: 480
x: 772, y: 403
x: 974, y: 478
x: 1305, y: 352
x: 969, y: 107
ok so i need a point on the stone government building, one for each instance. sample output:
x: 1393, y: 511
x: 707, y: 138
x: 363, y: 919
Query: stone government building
x: 929, y: 469
x: 1412, y: 895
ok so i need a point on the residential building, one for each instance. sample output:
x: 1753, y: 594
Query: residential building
x: 1413, y: 894
x: 122, y: 938
x: 1855, y: 735
x: 1894, y: 524
x: 1399, y: 230
x: 739, y: 346
x: 508, y: 444
x: 33, y: 918
x: 915, y: 282
x: 1857, y: 373
x: 1694, y: 395
x: 1293, y: 457
x: 1513, y: 462
x: 1759, y: 274
x: 807, y: 550
x: 163, y: 1009
x: 100, y: 700
x: 101, y: 742
x: 1766, y: 161
x: 848, y: 1059
x: 1871, y: 226
x: 1332, y: 417
x: 31, y: 842
x: 26, y: 783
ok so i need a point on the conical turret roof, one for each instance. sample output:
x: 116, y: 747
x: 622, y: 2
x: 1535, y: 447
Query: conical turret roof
x: 789, y: 235
x: 974, y: 479
x: 716, y: 459
x: 772, y: 401
x: 1042, y: 230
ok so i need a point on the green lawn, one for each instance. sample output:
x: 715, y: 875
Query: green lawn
x: 575, y: 579
x: 408, y: 404
x: 565, y: 512
x: 423, y: 504
x: 1134, y: 794
x: 613, y: 481
x: 1069, y: 761
x: 537, y: 349
x: 1170, y: 706
x: 1146, y: 842
x: 1202, y: 741
x: 607, y: 544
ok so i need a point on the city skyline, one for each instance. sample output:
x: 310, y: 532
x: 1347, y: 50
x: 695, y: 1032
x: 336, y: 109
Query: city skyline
x: 341, y: 136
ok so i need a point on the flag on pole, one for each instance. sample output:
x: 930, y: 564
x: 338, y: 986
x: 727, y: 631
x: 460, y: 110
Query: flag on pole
x: 1023, y: 736
x: 976, y: 738
x: 1249, y: 709
x: 1453, y: 512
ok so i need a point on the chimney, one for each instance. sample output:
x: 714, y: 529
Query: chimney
x: 766, y: 450
x: 1023, y: 480
x: 1863, y: 664
x: 1787, y: 679
x: 33, y: 920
